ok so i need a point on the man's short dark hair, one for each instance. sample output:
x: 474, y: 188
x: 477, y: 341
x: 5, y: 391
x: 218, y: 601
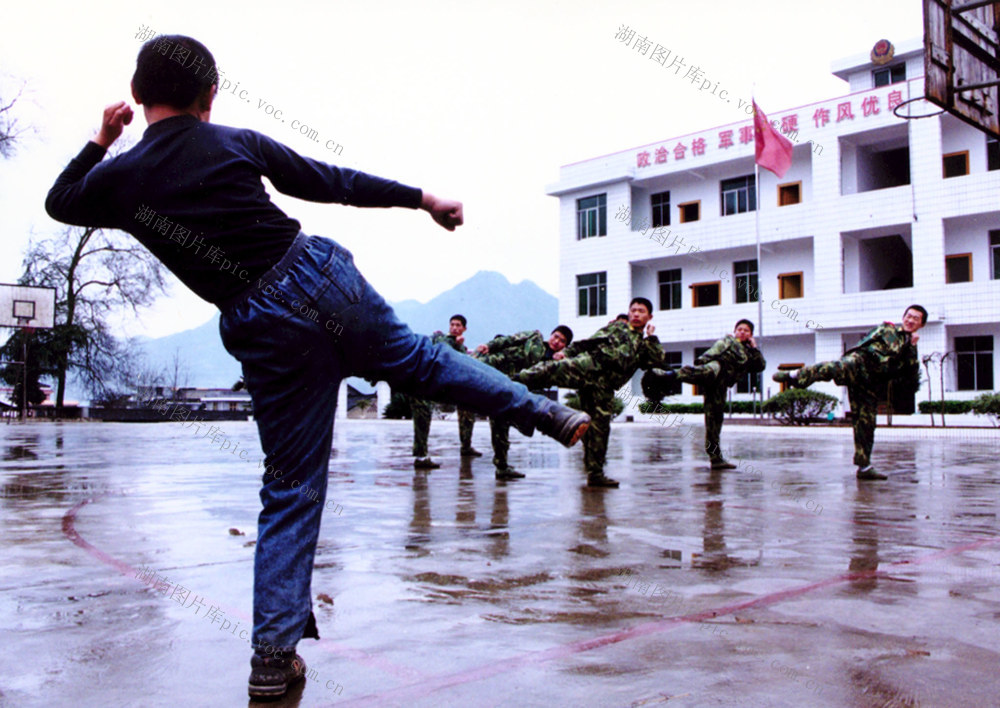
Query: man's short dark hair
x: 748, y: 323
x: 644, y: 302
x: 166, y: 80
x: 565, y: 332
x: 921, y: 310
x: 622, y: 316
x: 460, y: 318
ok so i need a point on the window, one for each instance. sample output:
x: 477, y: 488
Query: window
x: 670, y: 289
x: 955, y: 164
x: 705, y: 294
x: 592, y: 294
x: 690, y: 211
x: 995, y: 250
x: 672, y: 360
x: 974, y: 363
x: 789, y: 193
x: 790, y: 367
x: 591, y: 217
x: 790, y: 286
x: 958, y: 268
x: 889, y: 75
x: 660, y: 205
x: 748, y: 383
x: 745, y: 273
x: 992, y: 153
x: 738, y: 195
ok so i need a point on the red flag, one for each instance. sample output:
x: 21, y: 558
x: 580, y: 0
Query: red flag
x: 773, y: 151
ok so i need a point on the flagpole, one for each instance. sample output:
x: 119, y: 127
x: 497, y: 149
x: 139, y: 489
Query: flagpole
x: 756, y: 184
x: 760, y: 295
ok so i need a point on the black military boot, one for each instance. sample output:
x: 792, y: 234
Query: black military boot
x: 870, y: 473
x: 507, y: 473
x: 656, y: 382
x: 598, y: 479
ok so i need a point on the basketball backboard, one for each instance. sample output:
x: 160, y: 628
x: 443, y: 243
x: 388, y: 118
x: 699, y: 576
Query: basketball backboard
x: 27, y: 306
x: 961, y: 65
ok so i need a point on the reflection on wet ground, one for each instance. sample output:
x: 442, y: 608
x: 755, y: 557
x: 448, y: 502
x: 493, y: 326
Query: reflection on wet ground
x: 794, y: 586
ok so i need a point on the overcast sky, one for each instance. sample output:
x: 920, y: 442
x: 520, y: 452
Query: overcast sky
x: 475, y: 101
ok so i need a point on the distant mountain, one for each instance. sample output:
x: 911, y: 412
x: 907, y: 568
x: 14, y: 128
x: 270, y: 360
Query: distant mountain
x: 488, y: 300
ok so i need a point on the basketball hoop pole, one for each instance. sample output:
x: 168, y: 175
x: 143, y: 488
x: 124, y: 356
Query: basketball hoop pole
x: 25, y: 330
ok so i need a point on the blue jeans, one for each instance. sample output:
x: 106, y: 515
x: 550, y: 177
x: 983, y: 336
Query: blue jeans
x: 298, y: 330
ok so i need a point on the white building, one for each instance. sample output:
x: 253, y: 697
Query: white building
x: 875, y: 213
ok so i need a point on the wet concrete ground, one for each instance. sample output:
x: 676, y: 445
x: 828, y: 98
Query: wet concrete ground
x: 787, y: 583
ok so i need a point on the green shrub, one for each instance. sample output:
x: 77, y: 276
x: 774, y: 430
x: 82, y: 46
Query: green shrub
x: 988, y: 404
x: 398, y: 408
x: 799, y: 406
x: 950, y: 407
x: 650, y: 407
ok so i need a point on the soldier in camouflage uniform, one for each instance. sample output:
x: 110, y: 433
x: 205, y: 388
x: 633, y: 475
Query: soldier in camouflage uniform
x: 421, y: 409
x: 722, y: 365
x: 597, y: 367
x: 510, y: 354
x: 886, y: 353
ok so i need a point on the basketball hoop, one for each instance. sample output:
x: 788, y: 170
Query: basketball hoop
x: 923, y: 109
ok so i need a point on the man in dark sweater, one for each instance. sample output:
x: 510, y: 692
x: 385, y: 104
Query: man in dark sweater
x: 295, y: 311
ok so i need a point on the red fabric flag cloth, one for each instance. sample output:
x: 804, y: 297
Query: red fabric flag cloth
x: 773, y: 151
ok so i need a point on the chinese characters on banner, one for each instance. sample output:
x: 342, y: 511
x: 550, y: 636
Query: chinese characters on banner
x: 852, y: 109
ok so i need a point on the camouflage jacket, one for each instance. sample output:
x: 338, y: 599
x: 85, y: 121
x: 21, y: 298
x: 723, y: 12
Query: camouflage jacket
x: 736, y: 359
x: 440, y: 336
x: 514, y: 352
x: 616, y: 352
x: 889, y: 353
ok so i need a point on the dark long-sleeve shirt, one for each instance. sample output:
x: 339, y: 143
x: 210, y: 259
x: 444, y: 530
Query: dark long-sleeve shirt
x: 191, y: 192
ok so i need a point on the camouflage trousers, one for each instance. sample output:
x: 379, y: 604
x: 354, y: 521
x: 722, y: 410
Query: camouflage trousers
x: 466, y: 422
x: 596, y: 399
x: 500, y: 437
x: 714, y: 395
x: 421, y: 411
x: 852, y: 372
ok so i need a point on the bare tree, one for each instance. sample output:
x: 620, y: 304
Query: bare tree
x: 9, y: 130
x: 94, y: 272
x: 177, y: 372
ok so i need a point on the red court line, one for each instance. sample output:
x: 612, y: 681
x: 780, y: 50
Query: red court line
x: 358, y: 655
x: 423, y: 689
x: 426, y: 688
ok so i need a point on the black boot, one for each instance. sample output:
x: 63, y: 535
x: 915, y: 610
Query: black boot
x: 870, y: 473
x: 506, y: 473
x: 656, y: 382
x: 270, y: 676
x: 598, y: 479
